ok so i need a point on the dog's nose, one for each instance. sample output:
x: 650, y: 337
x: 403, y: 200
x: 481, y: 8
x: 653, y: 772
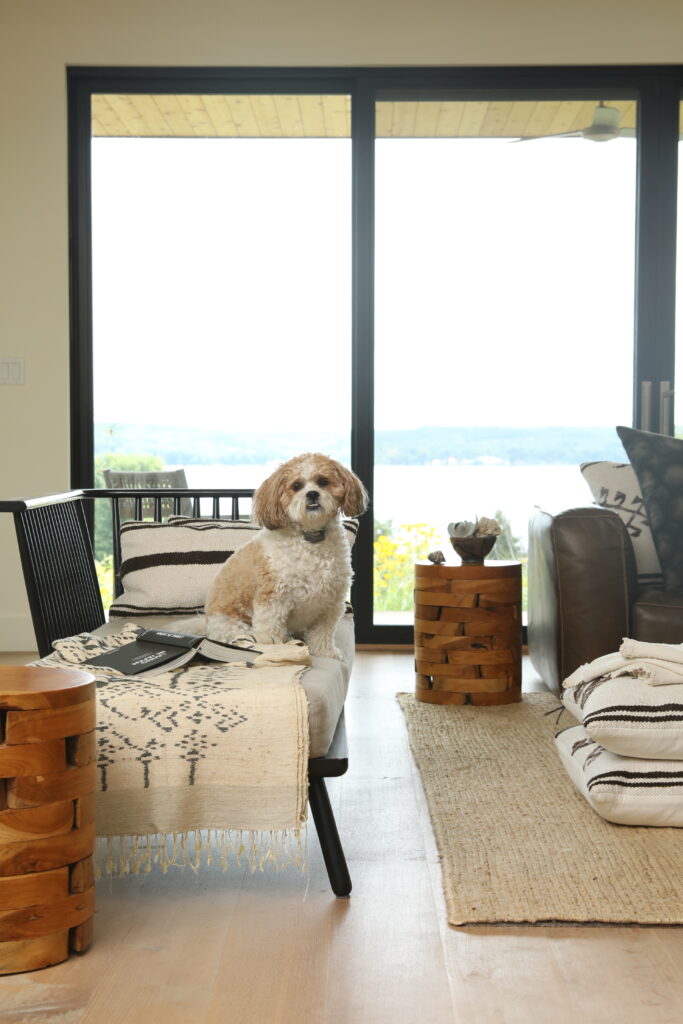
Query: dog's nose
x: 312, y: 495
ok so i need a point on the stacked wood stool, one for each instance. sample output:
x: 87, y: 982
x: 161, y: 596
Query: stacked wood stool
x: 47, y: 815
x: 468, y: 633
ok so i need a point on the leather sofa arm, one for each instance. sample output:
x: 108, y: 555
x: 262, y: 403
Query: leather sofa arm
x: 582, y: 585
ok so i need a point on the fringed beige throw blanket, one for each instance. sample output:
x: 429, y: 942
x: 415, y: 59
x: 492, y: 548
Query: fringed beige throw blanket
x: 201, y: 762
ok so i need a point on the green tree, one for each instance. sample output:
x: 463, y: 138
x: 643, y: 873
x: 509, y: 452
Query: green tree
x: 385, y: 529
x: 507, y: 547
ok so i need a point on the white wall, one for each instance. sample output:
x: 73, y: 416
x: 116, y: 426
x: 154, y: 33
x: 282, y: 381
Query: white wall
x: 40, y: 38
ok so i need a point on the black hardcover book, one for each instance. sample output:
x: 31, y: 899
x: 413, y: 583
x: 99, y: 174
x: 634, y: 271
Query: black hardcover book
x: 160, y: 649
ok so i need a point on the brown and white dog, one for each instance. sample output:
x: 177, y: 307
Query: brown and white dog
x: 293, y: 577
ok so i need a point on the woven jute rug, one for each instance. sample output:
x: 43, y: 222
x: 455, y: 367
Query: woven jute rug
x: 517, y: 843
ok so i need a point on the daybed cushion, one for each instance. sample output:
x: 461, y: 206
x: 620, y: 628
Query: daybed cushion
x: 625, y: 790
x: 629, y: 716
x: 614, y: 485
x: 326, y: 682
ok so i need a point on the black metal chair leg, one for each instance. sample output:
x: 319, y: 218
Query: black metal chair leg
x: 330, y: 844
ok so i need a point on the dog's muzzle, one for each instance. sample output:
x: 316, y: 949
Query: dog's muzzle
x: 312, y: 501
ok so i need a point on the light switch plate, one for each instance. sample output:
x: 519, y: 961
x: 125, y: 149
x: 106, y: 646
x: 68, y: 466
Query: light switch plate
x: 11, y: 370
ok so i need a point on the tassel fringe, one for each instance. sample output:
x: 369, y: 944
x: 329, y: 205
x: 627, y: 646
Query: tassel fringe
x: 126, y: 855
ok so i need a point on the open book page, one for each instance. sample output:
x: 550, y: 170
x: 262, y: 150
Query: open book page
x: 157, y: 650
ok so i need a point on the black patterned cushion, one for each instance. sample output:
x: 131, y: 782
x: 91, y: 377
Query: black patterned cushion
x: 658, y: 464
x: 614, y: 485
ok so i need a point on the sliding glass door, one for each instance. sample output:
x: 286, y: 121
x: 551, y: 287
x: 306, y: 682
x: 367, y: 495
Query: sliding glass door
x: 458, y: 280
x: 504, y: 316
x: 221, y: 268
x: 221, y: 280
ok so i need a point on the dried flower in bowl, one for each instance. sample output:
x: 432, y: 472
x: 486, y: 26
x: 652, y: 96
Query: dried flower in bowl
x: 464, y: 529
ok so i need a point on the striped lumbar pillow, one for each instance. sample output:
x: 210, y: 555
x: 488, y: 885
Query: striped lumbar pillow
x: 628, y: 716
x: 351, y: 529
x: 625, y: 790
x: 166, y: 568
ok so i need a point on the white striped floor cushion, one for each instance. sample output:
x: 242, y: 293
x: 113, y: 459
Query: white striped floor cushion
x: 630, y: 717
x: 625, y: 790
x: 166, y: 568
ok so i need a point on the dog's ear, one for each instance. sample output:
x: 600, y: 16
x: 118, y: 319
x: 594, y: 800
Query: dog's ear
x: 267, y: 507
x: 355, y: 496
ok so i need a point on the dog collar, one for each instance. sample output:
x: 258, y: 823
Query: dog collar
x: 314, y: 536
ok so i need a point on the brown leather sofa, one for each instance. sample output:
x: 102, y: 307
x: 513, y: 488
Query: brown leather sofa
x: 583, y: 594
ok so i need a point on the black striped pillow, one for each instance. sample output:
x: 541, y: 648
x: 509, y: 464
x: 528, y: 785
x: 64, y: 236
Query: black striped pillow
x: 625, y: 790
x: 166, y: 568
x: 628, y: 716
x: 351, y: 528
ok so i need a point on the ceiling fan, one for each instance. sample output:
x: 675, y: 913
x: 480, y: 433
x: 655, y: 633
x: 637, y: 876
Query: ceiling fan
x: 603, y: 127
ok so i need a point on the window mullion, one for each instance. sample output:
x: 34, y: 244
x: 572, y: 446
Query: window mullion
x: 655, y: 263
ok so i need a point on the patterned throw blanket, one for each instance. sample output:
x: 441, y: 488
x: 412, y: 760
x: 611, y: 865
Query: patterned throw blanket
x: 207, y: 760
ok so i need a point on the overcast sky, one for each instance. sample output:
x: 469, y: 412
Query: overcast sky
x: 222, y: 282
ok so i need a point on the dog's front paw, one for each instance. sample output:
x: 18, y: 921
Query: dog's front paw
x: 263, y: 637
x: 224, y: 629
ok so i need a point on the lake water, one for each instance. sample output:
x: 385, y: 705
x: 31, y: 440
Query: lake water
x: 438, y: 495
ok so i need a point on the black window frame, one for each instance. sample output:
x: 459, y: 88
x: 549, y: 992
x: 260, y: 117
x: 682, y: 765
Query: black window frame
x: 657, y: 89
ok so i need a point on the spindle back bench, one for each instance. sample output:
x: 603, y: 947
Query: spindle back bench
x: 56, y: 550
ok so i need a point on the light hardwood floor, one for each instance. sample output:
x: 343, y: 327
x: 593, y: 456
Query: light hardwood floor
x: 270, y: 948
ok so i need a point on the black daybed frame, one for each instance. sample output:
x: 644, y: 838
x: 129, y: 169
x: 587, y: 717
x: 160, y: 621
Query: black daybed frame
x: 64, y: 598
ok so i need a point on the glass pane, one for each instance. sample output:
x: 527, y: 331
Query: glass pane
x: 504, y: 318
x: 222, y: 283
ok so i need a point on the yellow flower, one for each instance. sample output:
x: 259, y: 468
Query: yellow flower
x: 105, y: 579
x: 395, y: 558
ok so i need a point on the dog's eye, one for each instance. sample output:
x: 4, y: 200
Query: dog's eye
x: 297, y: 485
x: 322, y: 481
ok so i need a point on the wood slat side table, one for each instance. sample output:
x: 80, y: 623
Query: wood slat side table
x: 468, y: 633
x: 48, y: 776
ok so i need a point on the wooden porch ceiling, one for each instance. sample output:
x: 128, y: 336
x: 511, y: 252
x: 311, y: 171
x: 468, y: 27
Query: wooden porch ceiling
x: 303, y: 116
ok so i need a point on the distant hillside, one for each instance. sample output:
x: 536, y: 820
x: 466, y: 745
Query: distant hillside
x: 529, y: 446
x: 511, y: 445
x: 191, y: 446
